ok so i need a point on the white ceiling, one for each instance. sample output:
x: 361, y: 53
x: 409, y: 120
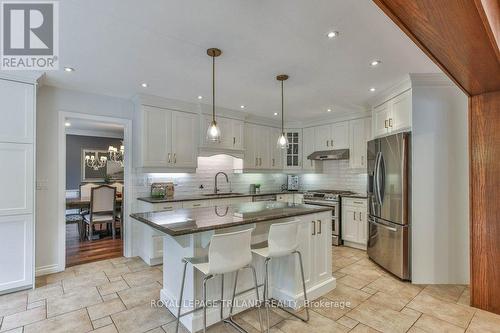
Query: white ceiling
x: 114, y: 45
x: 94, y: 128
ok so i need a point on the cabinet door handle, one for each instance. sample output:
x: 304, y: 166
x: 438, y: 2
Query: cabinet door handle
x: 234, y: 140
x: 362, y: 160
x: 273, y: 161
x: 331, y: 143
x: 260, y: 161
x: 175, y: 158
x: 360, y: 216
x: 314, y: 227
x: 390, y: 122
x: 169, y: 159
x: 319, y: 229
x: 196, y: 205
x: 385, y: 124
x: 256, y: 161
x: 354, y: 214
x: 327, y: 143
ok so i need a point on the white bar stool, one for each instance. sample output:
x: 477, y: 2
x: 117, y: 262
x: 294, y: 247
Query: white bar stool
x: 283, y: 240
x: 227, y: 253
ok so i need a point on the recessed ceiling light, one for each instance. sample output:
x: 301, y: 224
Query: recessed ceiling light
x: 69, y: 69
x: 200, y: 97
x: 67, y: 124
x: 242, y: 106
x: 372, y: 89
x: 375, y: 63
x: 276, y: 113
x: 332, y: 34
x: 328, y: 110
x: 144, y: 85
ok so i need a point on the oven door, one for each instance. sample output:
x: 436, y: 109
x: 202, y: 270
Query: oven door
x: 335, y: 218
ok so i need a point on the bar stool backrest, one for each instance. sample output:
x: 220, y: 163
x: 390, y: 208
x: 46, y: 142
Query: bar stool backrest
x: 229, y: 252
x: 283, y: 238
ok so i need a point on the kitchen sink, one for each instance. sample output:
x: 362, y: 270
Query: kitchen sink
x: 221, y: 194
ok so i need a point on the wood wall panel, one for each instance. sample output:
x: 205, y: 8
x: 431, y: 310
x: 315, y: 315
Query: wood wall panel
x: 454, y: 34
x: 484, y: 126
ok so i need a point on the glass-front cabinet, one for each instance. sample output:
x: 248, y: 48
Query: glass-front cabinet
x: 293, y: 156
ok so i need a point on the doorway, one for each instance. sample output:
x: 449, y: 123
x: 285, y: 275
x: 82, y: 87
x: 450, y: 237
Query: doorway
x: 94, y: 172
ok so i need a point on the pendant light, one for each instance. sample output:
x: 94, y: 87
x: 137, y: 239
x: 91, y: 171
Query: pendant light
x: 213, y: 131
x: 282, y: 140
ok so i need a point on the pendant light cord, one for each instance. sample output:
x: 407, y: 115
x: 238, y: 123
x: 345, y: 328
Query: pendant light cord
x: 213, y: 88
x: 282, y: 110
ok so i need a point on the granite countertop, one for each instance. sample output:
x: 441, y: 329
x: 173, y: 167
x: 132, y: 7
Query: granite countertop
x: 189, y: 221
x: 355, y: 195
x: 193, y: 197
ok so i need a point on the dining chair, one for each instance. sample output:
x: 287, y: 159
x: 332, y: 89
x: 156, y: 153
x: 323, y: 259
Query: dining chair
x: 102, y: 208
x: 85, y: 189
x: 118, y: 186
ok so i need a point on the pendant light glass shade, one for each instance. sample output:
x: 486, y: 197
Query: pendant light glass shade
x: 282, y: 140
x: 213, y: 131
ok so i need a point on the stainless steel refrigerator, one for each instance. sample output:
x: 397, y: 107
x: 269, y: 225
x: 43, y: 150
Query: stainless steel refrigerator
x: 389, y: 203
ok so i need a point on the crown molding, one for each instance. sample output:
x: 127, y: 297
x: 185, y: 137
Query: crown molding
x: 23, y: 76
x: 430, y: 80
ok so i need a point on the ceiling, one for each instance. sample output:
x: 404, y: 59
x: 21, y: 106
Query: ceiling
x: 115, y: 45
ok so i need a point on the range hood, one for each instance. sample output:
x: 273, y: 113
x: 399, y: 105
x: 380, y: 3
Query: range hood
x: 336, y: 154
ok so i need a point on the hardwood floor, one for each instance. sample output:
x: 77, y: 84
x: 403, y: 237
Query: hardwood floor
x: 78, y: 252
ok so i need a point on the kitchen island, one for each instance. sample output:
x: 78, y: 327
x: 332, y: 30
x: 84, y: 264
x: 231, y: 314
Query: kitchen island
x: 187, y: 233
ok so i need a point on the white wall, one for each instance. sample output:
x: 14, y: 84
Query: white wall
x: 50, y: 101
x: 440, y: 198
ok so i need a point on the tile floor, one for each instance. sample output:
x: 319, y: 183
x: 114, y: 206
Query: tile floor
x: 114, y: 296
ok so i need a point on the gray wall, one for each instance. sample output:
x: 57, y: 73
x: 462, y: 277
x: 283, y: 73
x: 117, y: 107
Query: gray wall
x: 74, y: 146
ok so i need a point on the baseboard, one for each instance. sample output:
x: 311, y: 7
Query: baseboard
x: 355, y: 245
x: 313, y: 292
x: 48, y: 269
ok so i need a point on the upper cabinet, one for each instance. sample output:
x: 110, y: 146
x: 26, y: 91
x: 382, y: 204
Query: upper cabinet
x: 17, y: 111
x: 332, y: 136
x: 308, y: 148
x: 167, y: 139
x: 359, y: 130
x: 293, y: 154
x: 261, y: 151
x: 231, y: 133
x: 393, y: 115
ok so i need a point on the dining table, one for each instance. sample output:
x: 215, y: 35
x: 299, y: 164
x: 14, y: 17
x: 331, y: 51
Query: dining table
x: 84, y: 202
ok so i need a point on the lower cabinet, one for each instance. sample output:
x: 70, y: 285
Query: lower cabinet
x: 354, y: 222
x: 296, y: 198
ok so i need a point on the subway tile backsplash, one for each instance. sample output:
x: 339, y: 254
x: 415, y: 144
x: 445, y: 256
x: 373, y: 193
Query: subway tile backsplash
x: 336, y: 175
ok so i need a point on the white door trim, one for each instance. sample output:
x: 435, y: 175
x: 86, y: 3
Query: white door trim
x: 127, y: 203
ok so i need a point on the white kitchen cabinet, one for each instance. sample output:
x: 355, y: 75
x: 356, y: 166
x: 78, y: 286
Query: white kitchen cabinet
x: 231, y: 133
x: 277, y: 154
x: 322, y: 137
x: 196, y: 204
x: 17, y: 180
x: 296, y: 198
x: 167, y: 139
x: 261, y: 149
x: 354, y: 222
x: 359, y: 130
x: 332, y: 136
x: 308, y: 148
x: 393, y: 115
x: 293, y: 154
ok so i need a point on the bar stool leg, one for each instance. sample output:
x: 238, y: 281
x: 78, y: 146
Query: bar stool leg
x: 306, y: 302
x: 266, y: 291
x: 180, y: 297
x: 208, y: 277
x: 234, y: 295
x: 258, y: 298
x: 221, y: 296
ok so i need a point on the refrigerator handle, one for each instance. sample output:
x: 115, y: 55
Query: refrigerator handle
x: 381, y: 172
x: 376, y: 178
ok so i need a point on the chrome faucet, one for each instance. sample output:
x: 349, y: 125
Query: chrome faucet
x: 227, y: 181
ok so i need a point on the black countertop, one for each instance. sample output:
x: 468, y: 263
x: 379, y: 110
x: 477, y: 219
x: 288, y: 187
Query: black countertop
x: 208, y: 196
x: 188, y: 221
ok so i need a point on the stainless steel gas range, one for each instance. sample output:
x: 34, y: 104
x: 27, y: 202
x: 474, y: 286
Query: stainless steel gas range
x: 330, y: 198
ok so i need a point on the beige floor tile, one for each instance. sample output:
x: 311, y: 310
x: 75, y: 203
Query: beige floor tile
x: 84, y: 281
x: 331, y: 309
x: 93, y: 267
x: 141, y: 318
x: 143, y: 277
x: 124, y: 260
x: 106, y: 329
x: 12, y: 303
x: 369, y: 290
x: 15, y: 330
x: 414, y: 329
x: 109, y: 296
x: 344, y: 261
x: 140, y: 295
x: 252, y: 317
x: 352, y: 281
x: 50, y: 290
x: 317, y: 324
x: 137, y: 265
x: 98, y: 323
x: 74, y: 322
x: 72, y: 301
x: 465, y: 297
x: 382, y: 318
x: 338, y: 275
x: 170, y: 328
x: 431, y: 324
x: 225, y: 328
x: 397, y: 288
x: 23, y: 318
x: 484, y: 322
x: 347, y: 322
x: 360, y: 328
x: 104, y: 309
x: 58, y: 277
x: 112, y: 287
x: 36, y: 304
x: 116, y: 271
x: 456, y: 314
x: 362, y: 272
x: 445, y: 292
x: 156, y: 330
x: 390, y: 301
x: 350, y: 297
x: 411, y: 312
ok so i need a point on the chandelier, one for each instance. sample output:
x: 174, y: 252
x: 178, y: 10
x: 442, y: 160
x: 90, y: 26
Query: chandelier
x: 95, y: 163
x: 116, y: 155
